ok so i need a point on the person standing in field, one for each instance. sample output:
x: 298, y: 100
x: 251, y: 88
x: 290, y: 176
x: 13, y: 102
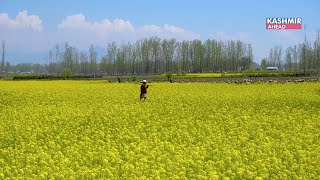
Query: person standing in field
x: 143, y: 92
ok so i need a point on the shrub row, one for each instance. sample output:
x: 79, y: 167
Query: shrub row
x: 48, y: 76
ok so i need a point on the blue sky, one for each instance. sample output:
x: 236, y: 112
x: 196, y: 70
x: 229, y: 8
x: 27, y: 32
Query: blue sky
x: 31, y: 28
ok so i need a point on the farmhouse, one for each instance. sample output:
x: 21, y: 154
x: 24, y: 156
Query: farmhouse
x: 272, y: 68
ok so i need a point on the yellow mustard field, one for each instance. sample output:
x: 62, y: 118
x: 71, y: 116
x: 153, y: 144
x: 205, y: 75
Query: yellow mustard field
x: 99, y: 130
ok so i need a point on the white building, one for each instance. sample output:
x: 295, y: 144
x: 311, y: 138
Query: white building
x: 272, y: 68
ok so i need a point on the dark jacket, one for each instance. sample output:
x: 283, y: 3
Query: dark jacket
x: 144, y: 89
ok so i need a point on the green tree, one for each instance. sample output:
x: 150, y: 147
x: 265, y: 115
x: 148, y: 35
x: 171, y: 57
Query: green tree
x: 93, y: 60
x: 288, y: 58
x: 263, y: 64
x: 67, y: 73
x: 168, y: 75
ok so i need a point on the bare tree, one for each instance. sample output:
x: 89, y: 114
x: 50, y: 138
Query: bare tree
x: 3, y: 60
x: 288, y: 65
x: 93, y: 60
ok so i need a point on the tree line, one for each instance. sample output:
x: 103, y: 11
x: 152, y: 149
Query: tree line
x: 157, y: 56
x: 154, y: 56
x: 303, y: 57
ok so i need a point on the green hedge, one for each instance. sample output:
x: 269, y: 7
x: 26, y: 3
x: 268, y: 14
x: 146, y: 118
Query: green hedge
x: 49, y: 76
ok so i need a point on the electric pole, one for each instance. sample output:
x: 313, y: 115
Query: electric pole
x: 304, y: 50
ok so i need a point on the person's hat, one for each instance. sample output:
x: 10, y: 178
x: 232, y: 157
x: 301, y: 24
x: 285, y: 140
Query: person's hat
x: 144, y: 81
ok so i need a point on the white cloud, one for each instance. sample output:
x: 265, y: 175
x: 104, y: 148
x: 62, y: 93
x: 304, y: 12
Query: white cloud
x: 74, y: 22
x: 78, y: 22
x: 107, y: 28
x: 78, y: 30
x: 173, y: 29
x: 152, y: 28
x: 120, y: 25
x: 166, y: 28
x: 168, y: 31
x: 25, y: 34
x: 22, y: 20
